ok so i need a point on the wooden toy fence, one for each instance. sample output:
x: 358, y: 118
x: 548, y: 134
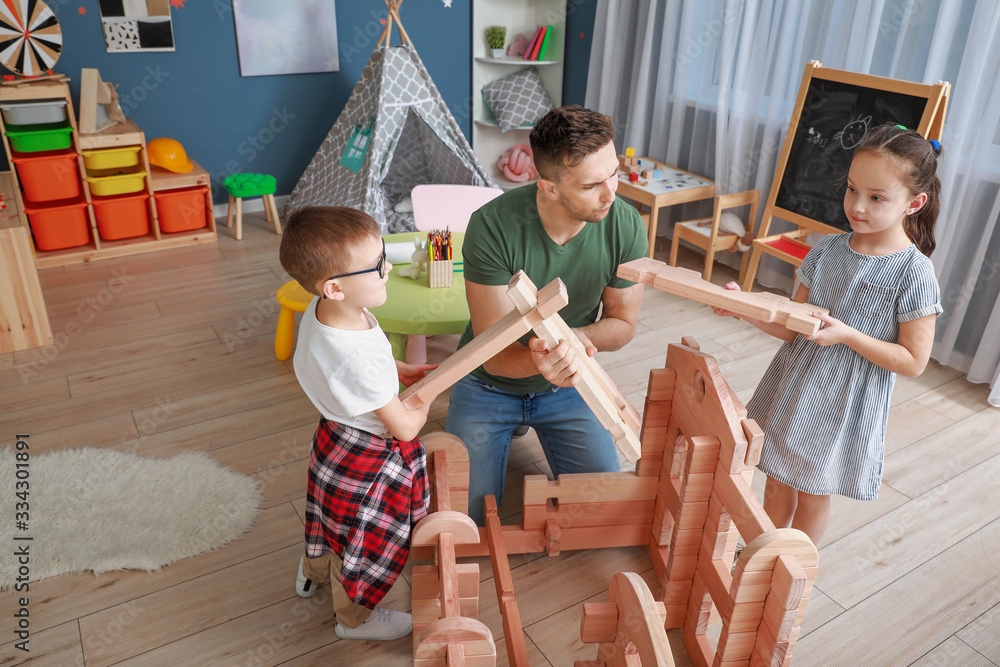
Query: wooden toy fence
x: 687, y: 501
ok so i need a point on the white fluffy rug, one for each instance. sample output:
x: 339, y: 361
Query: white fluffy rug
x: 102, y: 510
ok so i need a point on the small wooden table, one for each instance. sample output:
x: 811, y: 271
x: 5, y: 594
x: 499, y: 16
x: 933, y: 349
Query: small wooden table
x: 676, y: 186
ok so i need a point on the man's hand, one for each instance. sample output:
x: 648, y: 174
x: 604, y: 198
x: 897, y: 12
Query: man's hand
x: 559, y: 365
x: 410, y: 373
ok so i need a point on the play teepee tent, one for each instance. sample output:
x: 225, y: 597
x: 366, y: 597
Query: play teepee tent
x: 394, y: 133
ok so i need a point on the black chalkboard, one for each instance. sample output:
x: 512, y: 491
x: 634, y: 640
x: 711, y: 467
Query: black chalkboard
x: 834, y: 117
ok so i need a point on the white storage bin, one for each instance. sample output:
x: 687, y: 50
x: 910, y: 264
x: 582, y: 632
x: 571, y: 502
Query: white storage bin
x: 33, y: 112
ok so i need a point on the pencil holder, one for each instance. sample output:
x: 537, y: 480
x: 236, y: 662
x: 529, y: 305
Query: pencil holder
x: 439, y: 273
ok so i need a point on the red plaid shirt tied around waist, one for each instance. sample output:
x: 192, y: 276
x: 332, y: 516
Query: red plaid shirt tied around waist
x: 365, y: 495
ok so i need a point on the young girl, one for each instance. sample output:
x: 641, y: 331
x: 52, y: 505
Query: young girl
x: 824, y: 401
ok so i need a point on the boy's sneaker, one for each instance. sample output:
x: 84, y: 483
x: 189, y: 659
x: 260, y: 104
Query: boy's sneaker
x: 304, y: 587
x: 383, y: 624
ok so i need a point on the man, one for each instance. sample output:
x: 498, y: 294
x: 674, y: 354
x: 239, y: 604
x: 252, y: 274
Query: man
x: 568, y: 225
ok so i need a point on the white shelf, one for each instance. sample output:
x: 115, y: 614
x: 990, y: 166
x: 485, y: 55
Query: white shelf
x: 509, y: 61
x: 489, y: 122
x: 518, y: 16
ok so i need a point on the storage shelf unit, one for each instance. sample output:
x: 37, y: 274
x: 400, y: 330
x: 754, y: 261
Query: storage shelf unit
x: 518, y: 16
x: 118, y: 135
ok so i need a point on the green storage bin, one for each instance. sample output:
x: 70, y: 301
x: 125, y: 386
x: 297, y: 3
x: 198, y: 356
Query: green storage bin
x: 41, y: 137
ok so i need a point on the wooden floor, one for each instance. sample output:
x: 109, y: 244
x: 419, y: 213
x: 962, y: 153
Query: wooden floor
x: 178, y: 356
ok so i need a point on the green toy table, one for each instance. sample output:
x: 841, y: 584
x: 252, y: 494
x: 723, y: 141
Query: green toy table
x: 413, y: 308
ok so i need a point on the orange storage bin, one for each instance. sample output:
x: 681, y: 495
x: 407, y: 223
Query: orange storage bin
x: 182, y: 210
x: 122, y: 216
x: 48, y: 175
x: 62, y: 226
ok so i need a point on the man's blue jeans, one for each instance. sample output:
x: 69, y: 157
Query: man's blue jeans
x: 485, y: 417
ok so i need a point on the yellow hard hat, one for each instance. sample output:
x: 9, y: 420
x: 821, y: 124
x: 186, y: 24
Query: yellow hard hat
x: 169, y: 154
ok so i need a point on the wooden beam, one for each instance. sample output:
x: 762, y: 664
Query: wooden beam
x: 686, y: 283
x: 486, y: 345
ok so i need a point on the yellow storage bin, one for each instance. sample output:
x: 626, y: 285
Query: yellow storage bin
x: 112, y: 158
x: 110, y: 182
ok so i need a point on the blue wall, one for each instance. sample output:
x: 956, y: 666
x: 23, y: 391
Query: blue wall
x: 274, y: 124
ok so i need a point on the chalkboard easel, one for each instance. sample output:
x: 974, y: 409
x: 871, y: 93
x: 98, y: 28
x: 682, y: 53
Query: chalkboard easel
x: 833, y: 111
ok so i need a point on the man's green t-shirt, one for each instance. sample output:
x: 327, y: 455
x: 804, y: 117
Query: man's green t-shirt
x: 506, y: 236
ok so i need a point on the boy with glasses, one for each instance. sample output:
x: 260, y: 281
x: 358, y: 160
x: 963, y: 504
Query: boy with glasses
x: 367, y: 469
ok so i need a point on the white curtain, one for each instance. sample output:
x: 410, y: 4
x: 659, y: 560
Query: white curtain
x: 709, y: 86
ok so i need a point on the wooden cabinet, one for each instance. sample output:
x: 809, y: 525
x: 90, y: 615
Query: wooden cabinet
x: 120, y: 135
x: 518, y: 16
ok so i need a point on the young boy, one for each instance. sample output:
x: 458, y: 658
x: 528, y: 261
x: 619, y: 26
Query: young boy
x: 367, y: 471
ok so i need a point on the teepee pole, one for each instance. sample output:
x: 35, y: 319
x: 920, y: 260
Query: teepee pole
x: 394, y: 12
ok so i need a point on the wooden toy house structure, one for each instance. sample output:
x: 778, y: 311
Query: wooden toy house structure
x: 687, y: 501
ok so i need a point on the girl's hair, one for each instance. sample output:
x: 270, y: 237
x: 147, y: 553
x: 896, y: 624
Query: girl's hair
x: 916, y: 158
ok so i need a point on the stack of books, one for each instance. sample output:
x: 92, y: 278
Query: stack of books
x: 539, y: 43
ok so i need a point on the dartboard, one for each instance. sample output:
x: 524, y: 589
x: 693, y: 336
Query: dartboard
x: 30, y: 37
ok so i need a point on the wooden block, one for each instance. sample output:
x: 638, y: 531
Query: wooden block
x: 483, y: 347
x: 440, y: 491
x: 427, y: 530
x: 703, y: 455
x: 661, y: 384
x: 599, y: 622
x: 630, y: 152
x: 553, y: 536
x: 763, y: 551
x: 657, y: 173
x: 426, y: 611
x: 633, y: 176
x: 581, y: 515
x: 589, y: 487
x: 595, y: 387
x: 755, y: 441
x: 649, y: 465
x: 433, y: 640
x: 699, y: 607
x: 640, y: 619
x: 646, y: 173
x: 426, y: 585
x: 744, y: 509
x: 656, y: 414
x: 749, y: 586
x: 735, y: 646
x: 688, y: 284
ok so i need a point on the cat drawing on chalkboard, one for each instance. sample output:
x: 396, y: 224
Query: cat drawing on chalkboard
x: 853, y: 132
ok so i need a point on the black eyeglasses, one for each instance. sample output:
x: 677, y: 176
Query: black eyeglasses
x: 378, y: 267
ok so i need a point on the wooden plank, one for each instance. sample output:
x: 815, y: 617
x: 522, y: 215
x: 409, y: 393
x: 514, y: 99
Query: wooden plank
x: 595, y: 387
x: 483, y: 347
x: 581, y: 515
x: 688, y: 284
x: 639, y: 619
x: 517, y: 652
x: 426, y: 585
x: 590, y: 487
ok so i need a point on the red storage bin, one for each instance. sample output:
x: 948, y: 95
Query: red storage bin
x: 61, y: 226
x: 182, y: 210
x: 48, y: 175
x: 122, y: 216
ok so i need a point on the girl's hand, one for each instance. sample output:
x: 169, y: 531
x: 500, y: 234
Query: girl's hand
x: 410, y: 373
x: 833, y: 331
x: 726, y: 313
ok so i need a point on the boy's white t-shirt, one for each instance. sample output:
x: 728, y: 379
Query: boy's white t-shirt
x: 346, y: 374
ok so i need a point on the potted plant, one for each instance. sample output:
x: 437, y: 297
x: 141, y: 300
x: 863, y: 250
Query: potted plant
x: 496, y: 35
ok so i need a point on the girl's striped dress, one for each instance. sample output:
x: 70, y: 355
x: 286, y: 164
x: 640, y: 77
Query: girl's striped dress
x: 824, y: 409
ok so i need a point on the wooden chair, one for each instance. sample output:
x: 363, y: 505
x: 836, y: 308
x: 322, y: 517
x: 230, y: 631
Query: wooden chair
x: 705, y: 233
x: 448, y: 206
x: 788, y: 247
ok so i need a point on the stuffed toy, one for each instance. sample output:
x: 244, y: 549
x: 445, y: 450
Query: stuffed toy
x: 730, y: 224
x: 417, y: 261
x: 517, y: 164
x: 517, y: 47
